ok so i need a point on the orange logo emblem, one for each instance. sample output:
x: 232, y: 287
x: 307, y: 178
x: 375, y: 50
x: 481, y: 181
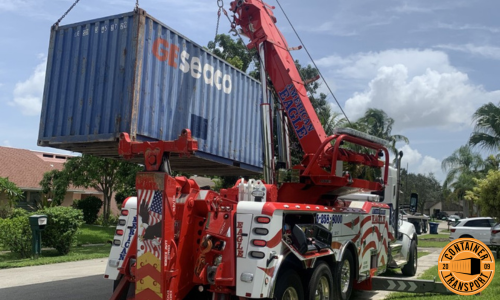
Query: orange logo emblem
x: 466, y: 266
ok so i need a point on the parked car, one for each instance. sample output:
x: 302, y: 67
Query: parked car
x: 454, y: 218
x: 441, y: 215
x: 478, y: 228
x: 495, y: 235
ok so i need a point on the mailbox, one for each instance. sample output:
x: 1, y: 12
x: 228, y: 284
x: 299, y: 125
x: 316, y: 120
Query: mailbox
x: 37, y: 223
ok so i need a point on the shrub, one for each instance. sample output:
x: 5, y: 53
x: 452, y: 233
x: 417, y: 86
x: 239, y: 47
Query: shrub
x: 19, y: 212
x: 5, y: 211
x: 15, y: 234
x: 120, y: 197
x: 90, y: 207
x: 112, y: 220
x: 62, y: 225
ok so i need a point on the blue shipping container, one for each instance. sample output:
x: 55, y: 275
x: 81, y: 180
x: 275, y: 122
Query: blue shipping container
x: 131, y: 73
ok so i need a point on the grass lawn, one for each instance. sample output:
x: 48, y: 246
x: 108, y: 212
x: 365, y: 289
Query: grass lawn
x: 433, y: 240
x: 490, y: 293
x: 91, y: 234
x: 433, y: 236
x: 10, y: 260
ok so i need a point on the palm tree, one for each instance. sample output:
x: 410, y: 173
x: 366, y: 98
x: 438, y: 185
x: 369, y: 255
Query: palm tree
x: 377, y: 123
x: 337, y: 120
x: 486, y: 132
x: 12, y: 192
x: 462, y: 165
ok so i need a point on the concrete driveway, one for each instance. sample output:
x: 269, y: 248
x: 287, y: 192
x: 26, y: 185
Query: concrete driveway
x: 65, y: 281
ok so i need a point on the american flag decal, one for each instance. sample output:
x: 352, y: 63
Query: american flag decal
x: 152, y: 201
x: 155, y: 208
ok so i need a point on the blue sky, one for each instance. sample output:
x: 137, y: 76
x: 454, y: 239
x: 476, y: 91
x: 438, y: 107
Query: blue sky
x: 428, y: 64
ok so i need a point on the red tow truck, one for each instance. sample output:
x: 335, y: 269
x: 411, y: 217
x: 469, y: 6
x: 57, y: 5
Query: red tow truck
x: 310, y: 231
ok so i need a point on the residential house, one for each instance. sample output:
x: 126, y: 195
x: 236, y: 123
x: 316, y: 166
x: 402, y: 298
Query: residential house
x: 431, y: 208
x: 25, y: 168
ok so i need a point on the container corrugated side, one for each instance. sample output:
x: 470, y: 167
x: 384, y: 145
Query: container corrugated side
x: 131, y: 73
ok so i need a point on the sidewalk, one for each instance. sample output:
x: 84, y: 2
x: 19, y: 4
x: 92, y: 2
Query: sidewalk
x: 53, y: 272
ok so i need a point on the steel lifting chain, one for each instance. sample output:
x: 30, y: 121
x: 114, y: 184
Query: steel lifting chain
x: 136, y: 5
x: 56, y: 24
x: 220, y: 4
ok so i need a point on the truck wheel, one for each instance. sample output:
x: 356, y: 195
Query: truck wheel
x: 344, y: 277
x: 410, y: 269
x: 129, y: 291
x: 289, y: 286
x: 320, y: 285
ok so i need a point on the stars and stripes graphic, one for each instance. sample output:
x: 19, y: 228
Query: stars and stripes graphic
x: 153, y: 246
x: 155, y: 208
x: 151, y: 201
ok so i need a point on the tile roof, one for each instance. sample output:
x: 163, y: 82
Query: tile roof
x: 26, y: 168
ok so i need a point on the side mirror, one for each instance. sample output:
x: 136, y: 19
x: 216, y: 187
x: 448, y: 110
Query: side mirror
x: 413, y: 202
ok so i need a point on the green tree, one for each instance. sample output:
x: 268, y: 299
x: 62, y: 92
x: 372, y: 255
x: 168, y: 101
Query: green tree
x: 376, y: 122
x: 127, y: 188
x: 103, y: 174
x: 11, y: 190
x: 426, y: 186
x: 54, y: 185
x: 462, y: 166
x: 486, y: 132
x: 318, y: 100
x: 487, y: 191
x: 233, y: 51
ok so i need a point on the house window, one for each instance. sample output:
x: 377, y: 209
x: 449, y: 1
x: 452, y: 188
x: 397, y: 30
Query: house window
x: 30, y: 200
x: 35, y: 198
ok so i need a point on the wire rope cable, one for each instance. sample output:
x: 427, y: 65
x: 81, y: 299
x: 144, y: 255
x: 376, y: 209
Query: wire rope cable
x: 314, y: 63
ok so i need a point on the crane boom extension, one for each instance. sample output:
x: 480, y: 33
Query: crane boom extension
x: 319, y: 169
x: 258, y: 23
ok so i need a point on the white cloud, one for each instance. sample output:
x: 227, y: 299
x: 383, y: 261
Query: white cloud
x: 417, y: 88
x: 410, y: 156
x: 7, y: 143
x: 430, y: 165
x: 365, y: 65
x: 12, y: 5
x: 408, y: 7
x: 420, y: 164
x: 28, y: 94
x: 456, y: 26
x: 485, y: 51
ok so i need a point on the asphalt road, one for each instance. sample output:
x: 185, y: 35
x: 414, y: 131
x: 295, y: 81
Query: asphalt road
x: 65, y: 281
x: 91, y: 287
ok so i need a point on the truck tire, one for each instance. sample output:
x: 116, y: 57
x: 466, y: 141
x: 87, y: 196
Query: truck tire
x: 343, y: 280
x: 320, y: 283
x: 410, y: 269
x: 289, y: 286
x: 129, y: 292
